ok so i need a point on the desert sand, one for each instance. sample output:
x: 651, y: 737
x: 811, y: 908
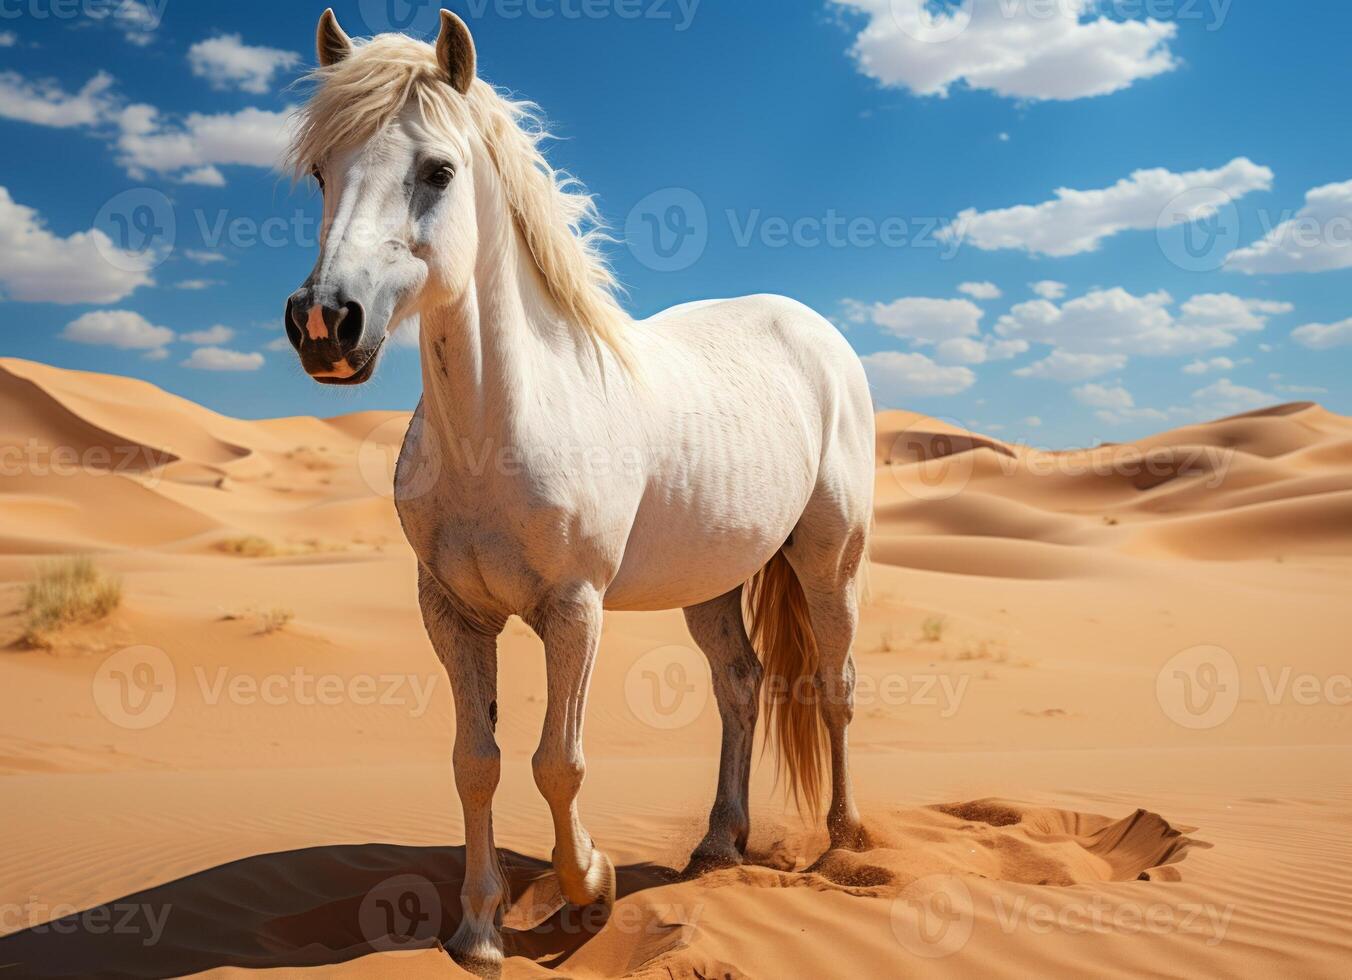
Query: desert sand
x: 1103, y: 724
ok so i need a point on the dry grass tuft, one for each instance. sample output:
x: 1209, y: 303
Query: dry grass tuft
x: 274, y: 621
x: 248, y: 547
x: 65, y: 593
x: 933, y: 629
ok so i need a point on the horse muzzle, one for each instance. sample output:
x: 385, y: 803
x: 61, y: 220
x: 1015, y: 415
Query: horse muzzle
x: 331, y: 339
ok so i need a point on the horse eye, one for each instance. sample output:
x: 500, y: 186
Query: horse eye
x: 319, y: 178
x: 441, y: 177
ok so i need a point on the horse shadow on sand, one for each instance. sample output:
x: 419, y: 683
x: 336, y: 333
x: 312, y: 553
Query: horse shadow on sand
x: 314, y: 907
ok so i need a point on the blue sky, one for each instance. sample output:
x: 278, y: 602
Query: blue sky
x: 1061, y: 221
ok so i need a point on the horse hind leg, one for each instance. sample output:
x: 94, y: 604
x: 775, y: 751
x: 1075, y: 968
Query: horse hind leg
x: 717, y: 627
x: 827, y: 556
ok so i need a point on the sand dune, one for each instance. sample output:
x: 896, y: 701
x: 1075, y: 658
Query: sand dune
x: 1102, y: 721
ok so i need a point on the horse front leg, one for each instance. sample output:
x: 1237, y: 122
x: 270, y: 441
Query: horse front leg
x: 570, y: 626
x: 471, y: 660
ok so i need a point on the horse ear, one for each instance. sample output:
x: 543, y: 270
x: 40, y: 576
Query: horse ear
x: 331, y: 41
x: 455, y: 51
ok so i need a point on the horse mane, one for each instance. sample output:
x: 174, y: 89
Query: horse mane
x: 356, y: 98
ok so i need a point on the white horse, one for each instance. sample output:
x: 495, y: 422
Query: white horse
x: 565, y: 460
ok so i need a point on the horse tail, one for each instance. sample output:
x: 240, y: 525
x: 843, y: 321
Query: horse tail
x: 781, y: 632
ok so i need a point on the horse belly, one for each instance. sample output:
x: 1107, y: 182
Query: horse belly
x: 688, y: 549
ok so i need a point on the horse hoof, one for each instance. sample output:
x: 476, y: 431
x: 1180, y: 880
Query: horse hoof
x: 476, y: 953
x: 706, y: 859
x: 600, y: 881
x: 850, y: 837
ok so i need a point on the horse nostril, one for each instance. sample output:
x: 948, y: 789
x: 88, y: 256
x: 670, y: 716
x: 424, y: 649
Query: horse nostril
x: 295, y: 324
x: 350, y: 325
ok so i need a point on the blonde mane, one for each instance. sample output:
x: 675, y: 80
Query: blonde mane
x: 359, y: 96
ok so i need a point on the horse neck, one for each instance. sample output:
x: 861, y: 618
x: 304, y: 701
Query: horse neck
x: 486, y: 356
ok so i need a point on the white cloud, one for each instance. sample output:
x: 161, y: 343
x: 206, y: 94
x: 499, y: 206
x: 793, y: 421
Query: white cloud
x: 1115, y: 406
x: 897, y: 377
x: 227, y: 62
x: 8, y: 39
x: 1033, y: 422
x: 193, y: 149
x: 978, y: 350
x: 981, y: 290
x: 219, y: 359
x: 926, y: 321
x: 1115, y: 321
x: 37, y: 266
x: 203, y: 177
x: 1066, y: 367
x: 117, y: 328
x: 202, y: 257
x: 1215, y: 364
x: 1324, y: 336
x: 44, y: 103
x: 1048, y: 289
x: 198, y: 284
x: 1227, y: 398
x: 1058, y: 50
x: 279, y: 344
x: 1078, y: 221
x: 1317, y: 239
x: 138, y: 20
x: 210, y: 337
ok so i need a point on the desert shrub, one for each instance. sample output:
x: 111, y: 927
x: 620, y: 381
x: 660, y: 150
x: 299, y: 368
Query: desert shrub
x: 933, y: 629
x: 64, y: 593
x: 248, y: 547
x: 274, y: 621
